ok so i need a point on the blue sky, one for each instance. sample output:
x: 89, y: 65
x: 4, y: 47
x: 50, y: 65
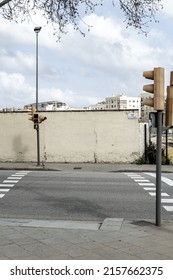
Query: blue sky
x: 81, y: 71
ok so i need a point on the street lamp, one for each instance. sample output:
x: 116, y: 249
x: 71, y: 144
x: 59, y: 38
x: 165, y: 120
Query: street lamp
x: 37, y: 30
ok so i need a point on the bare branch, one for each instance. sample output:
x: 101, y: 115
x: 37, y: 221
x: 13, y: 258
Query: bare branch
x: 138, y: 13
x: 4, y: 2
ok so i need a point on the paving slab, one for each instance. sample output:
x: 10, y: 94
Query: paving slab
x: 124, y: 239
x: 111, y: 224
x: 64, y: 224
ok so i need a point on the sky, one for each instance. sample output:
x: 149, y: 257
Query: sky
x: 82, y: 71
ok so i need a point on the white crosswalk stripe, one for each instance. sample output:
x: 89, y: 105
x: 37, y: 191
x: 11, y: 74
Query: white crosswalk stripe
x: 169, y: 182
x: 151, y: 187
x: 146, y: 184
x: 168, y: 208
x: 7, y: 185
x: 142, y: 180
x: 167, y: 200
x: 11, y: 181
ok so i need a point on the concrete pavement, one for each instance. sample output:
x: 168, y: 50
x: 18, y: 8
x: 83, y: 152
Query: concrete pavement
x: 85, y: 167
x: 115, y: 238
x: 70, y: 240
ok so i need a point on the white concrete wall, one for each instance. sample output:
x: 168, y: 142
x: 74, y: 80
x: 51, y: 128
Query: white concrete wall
x: 71, y: 136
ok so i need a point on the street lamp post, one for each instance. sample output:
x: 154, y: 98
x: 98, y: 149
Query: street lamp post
x: 37, y: 30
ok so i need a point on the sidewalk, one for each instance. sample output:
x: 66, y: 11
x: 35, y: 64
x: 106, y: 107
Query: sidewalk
x: 84, y: 167
x: 115, y: 238
x: 72, y: 240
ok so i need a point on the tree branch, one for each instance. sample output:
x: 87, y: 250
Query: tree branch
x: 4, y: 2
x: 138, y: 13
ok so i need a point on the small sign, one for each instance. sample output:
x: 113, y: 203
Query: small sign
x: 132, y: 115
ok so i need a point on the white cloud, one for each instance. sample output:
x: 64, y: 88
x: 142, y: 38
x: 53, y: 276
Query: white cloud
x: 167, y: 7
x: 79, y: 71
x: 12, y: 80
x: 14, y: 90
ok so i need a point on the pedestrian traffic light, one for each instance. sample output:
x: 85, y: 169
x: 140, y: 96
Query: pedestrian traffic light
x: 35, y: 117
x: 31, y: 113
x: 41, y: 118
x: 157, y: 88
x: 169, y: 103
x: 36, y: 120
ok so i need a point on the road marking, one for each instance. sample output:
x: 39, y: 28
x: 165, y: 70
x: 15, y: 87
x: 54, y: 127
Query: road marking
x: 12, y: 178
x: 162, y: 194
x: 152, y: 190
x: 22, y: 172
x: 169, y: 182
x: 10, y: 181
x: 137, y: 178
x: 14, y: 175
x: 7, y: 185
x: 152, y: 193
x: 168, y: 208
x: 142, y: 180
x: 149, y: 189
x: 134, y: 176
x: 167, y: 200
x: 146, y: 184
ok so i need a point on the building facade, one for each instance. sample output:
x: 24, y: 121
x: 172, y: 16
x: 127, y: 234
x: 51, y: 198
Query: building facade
x: 123, y: 102
x: 98, y: 106
x: 49, y: 106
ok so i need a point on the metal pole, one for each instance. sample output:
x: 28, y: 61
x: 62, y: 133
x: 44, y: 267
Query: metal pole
x: 37, y: 129
x: 145, y: 139
x: 166, y: 146
x: 158, y: 168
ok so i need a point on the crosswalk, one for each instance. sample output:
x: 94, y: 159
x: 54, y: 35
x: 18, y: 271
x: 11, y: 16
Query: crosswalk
x: 151, y: 188
x: 10, y: 182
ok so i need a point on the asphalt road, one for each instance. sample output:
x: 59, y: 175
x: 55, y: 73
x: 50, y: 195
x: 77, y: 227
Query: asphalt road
x: 82, y: 195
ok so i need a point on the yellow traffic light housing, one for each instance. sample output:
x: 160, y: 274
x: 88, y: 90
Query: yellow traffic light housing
x: 41, y: 118
x: 35, y: 117
x: 169, y: 103
x: 31, y: 113
x: 157, y: 88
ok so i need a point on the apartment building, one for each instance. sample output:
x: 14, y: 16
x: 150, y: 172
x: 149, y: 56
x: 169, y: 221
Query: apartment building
x: 49, y: 106
x: 123, y: 102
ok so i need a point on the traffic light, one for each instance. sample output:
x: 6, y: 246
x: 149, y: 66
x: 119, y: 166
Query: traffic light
x: 35, y: 117
x: 157, y: 88
x: 36, y: 120
x: 41, y: 118
x: 31, y: 113
x: 169, y: 103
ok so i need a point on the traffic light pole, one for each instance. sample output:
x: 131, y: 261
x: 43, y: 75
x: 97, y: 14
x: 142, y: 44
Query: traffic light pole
x: 158, y: 103
x: 37, y: 30
x: 37, y: 129
x: 158, y: 167
x: 38, y: 146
